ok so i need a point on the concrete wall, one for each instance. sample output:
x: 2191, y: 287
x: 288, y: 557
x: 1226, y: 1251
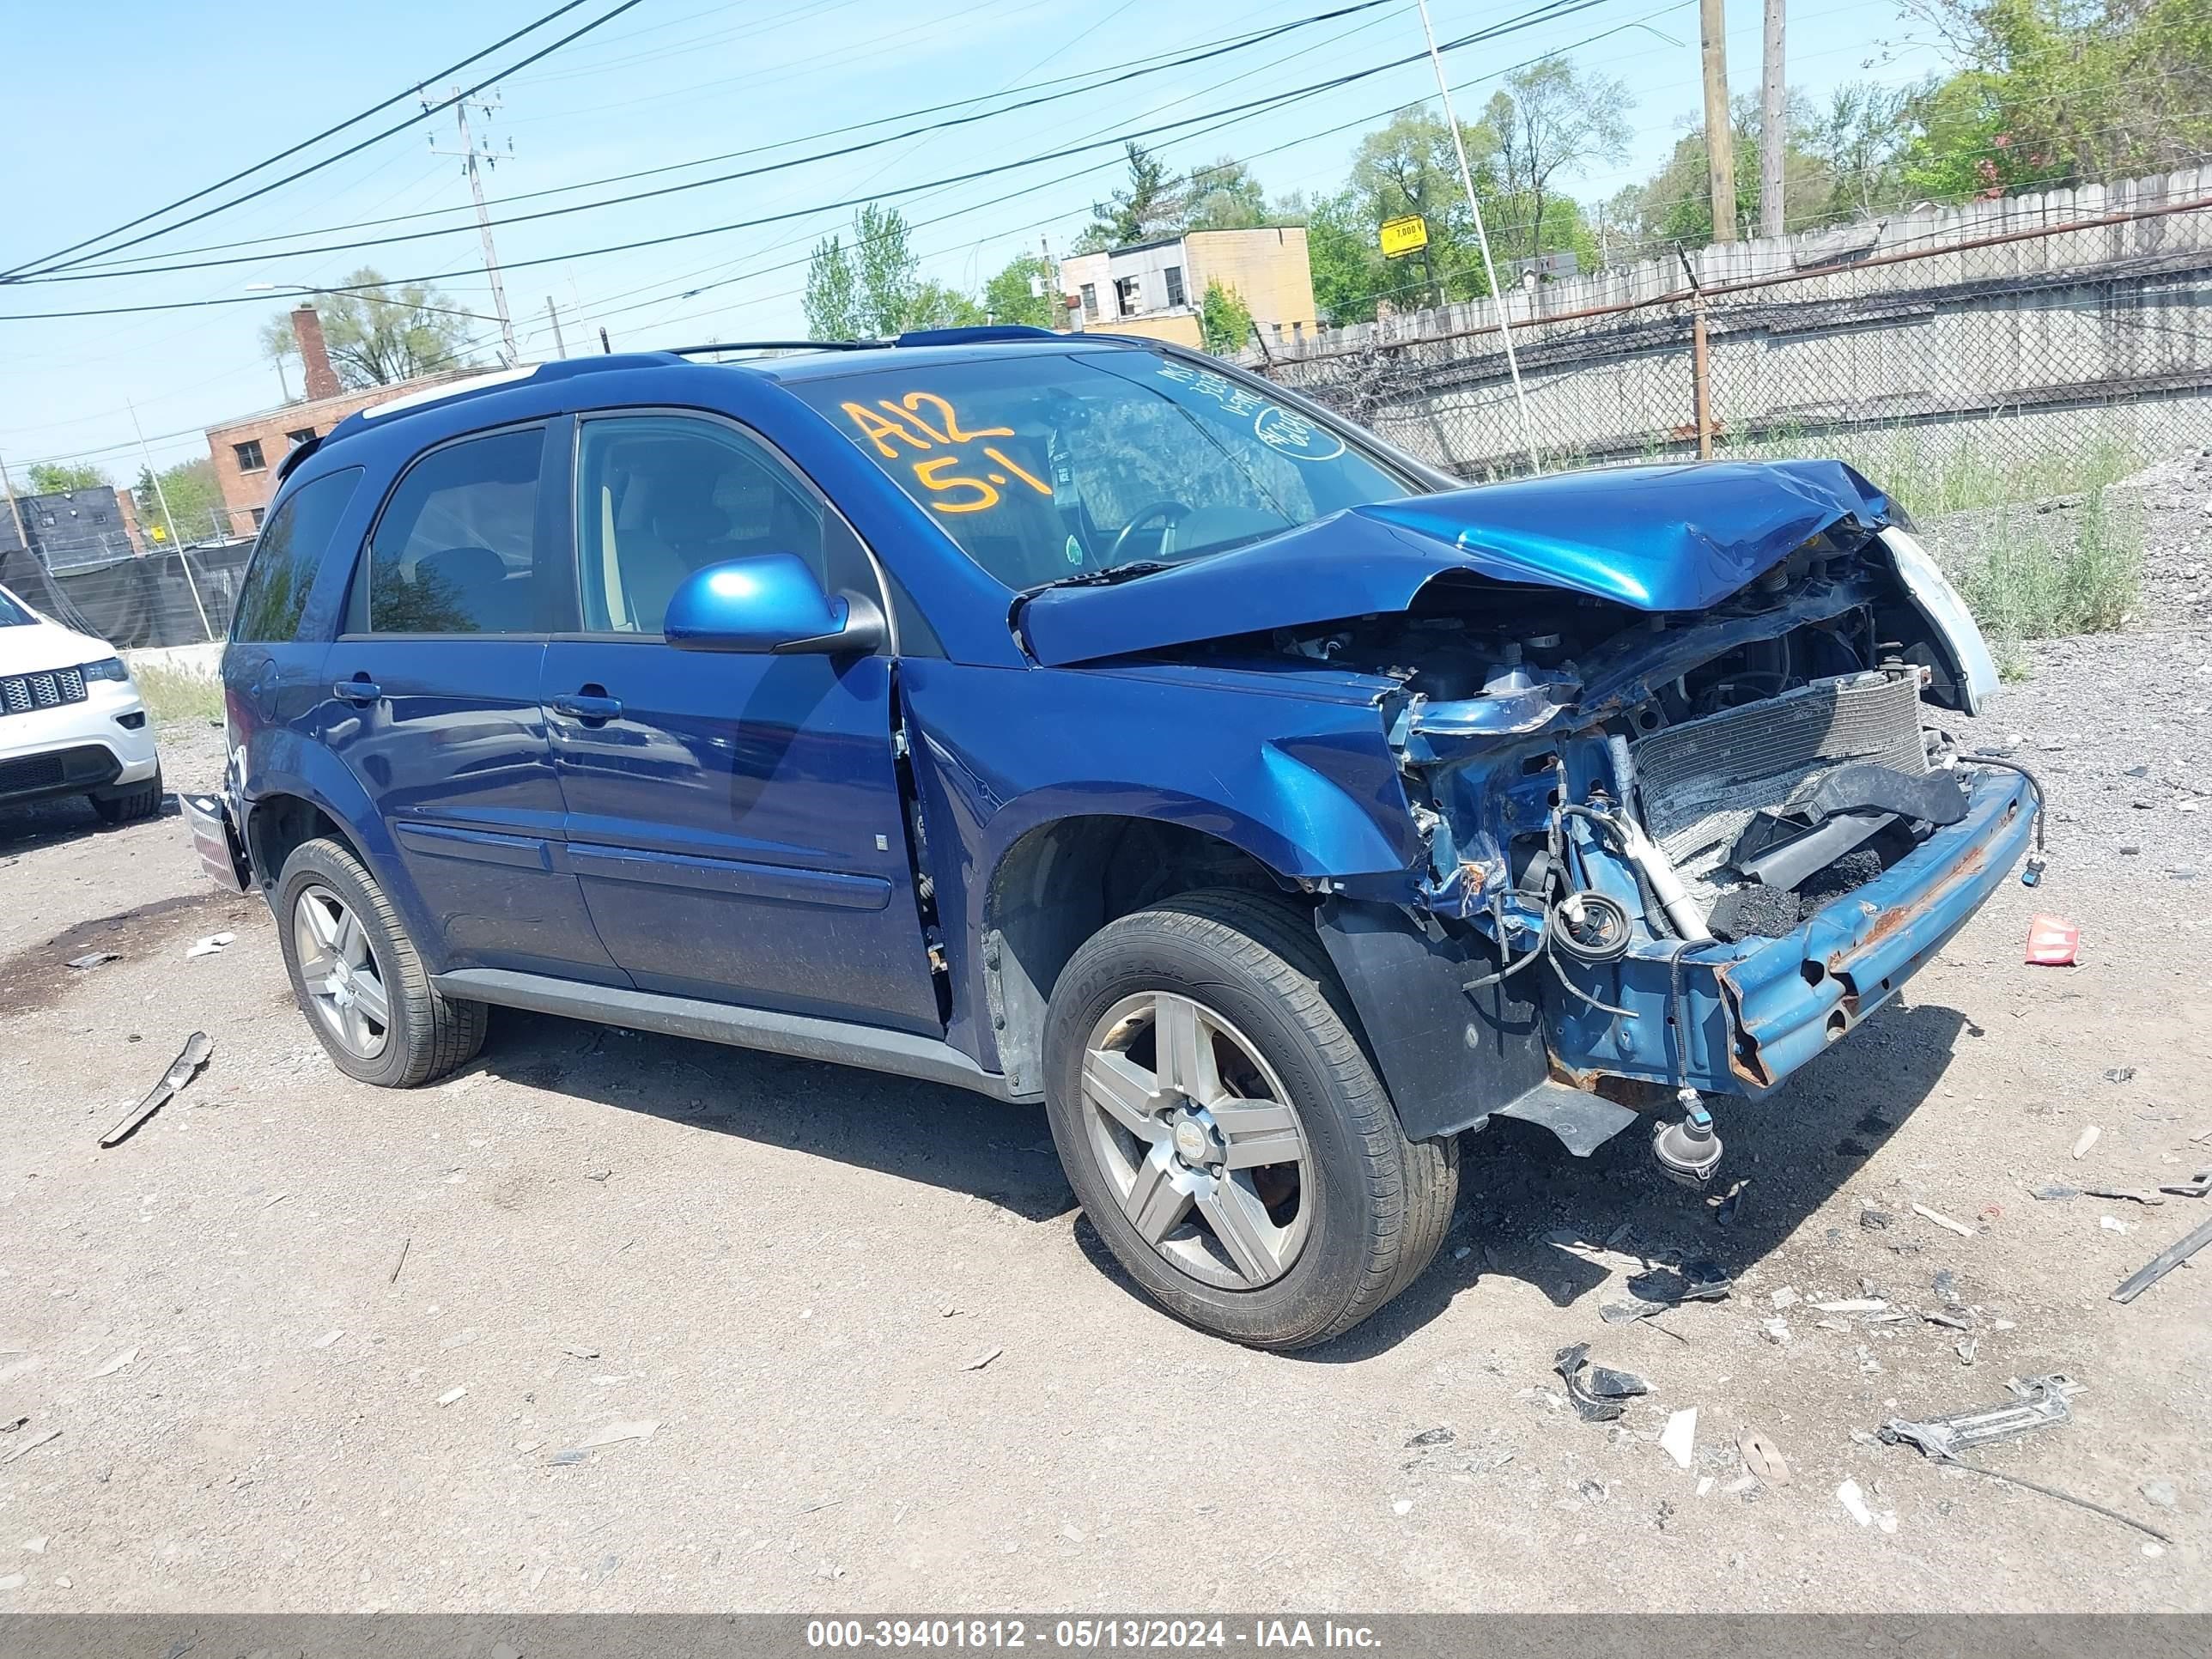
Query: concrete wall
x: 1922, y: 324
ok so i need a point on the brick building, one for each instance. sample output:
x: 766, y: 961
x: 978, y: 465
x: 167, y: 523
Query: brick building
x: 1155, y: 289
x: 247, y: 452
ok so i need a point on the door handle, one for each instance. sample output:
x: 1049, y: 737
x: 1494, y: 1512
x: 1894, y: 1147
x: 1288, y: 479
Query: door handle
x: 592, y: 708
x: 359, y: 689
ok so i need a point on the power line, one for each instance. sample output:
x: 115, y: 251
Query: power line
x: 39, y: 268
x: 1549, y: 12
x: 1555, y: 8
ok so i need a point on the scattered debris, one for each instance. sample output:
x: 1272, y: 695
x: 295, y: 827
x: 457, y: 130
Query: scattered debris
x: 2051, y: 943
x: 1945, y: 1286
x: 2085, y: 1140
x: 614, y: 1433
x: 2197, y: 1186
x: 32, y: 1445
x: 982, y: 1359
x: 1437, y: 1437
x: 211, y: 945
x: 326, y: 1339
x: 1942, y: 1220
x: 2118, y: 1073
x: 1784, y: 1298
x: 1967, y: 1349
x: 2162, y: 1264
x: 1776, y: 1330
x: 1401, y: 1506
x: 182, y: 1070
x: 2112, y: 1223
x: 1679, y: 1439
x: 127, y: 1357
x: 1857, y: 1304
x: 2160, y: 1492
x: 1763, y: 1459
x: 399, y: 1261
x: 1950, y: 1321
x: 1854, y: 1502
x: 1730, y: 1209
x: 579, y: 1350
x: 93, y: 959
x: 1596, y: 1392
x: 453, y: 1394
x: 38, y: 1546
x: 2042, y: 1404
x: 2054, y: 1192
x: 1661, y: 1288
x: 1873, y: 1221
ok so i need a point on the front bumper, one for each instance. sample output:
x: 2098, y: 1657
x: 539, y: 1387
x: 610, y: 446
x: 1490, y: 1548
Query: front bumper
x: 1758, y: 1009
x: 222, y: 853
x: 77, y: 746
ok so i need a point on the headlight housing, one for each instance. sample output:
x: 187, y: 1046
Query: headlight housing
x: 108, y: 668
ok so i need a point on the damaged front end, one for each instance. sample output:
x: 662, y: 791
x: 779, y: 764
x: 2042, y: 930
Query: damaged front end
x: 1690, y: 848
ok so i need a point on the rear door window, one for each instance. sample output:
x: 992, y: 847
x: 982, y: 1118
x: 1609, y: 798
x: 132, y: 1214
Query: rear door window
x: 455, y: 551
x: 287, y: 557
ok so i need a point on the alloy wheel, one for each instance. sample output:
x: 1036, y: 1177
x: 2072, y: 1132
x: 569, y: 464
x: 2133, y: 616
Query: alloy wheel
x: 1199, y: 1138
x: 339, y: 972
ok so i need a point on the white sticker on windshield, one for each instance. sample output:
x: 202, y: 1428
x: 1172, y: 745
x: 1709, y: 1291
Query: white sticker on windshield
x: 1281, y: 430
x: 1295, y: 436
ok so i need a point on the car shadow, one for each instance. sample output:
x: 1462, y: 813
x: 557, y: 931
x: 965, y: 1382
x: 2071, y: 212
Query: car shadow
x: 31, y: 825
x: 926, y: 1132
x: 1809, y: 1138
x: 1793, y: 1151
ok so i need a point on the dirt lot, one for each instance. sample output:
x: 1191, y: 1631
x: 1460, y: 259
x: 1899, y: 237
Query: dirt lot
x: 249, y: 1324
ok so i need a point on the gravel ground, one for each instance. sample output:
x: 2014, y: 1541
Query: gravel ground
x: 310, y: 1346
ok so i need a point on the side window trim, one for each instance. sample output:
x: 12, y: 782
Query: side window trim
x: 356, y: 611
x: 772, y: 452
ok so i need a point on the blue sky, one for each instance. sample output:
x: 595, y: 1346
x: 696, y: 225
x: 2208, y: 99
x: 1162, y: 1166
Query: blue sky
x: 162, y: 97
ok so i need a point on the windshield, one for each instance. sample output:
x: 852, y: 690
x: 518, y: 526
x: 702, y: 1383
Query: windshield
x: 1047, y: 466
x: 13, y: 612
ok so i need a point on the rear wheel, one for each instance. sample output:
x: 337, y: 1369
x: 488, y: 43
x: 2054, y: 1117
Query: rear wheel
x: 358, y: 978
x: 1225, y: 1131
x: 129, y: 803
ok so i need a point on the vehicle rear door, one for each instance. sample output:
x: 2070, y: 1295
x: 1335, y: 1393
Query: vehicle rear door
x: 434, y: 688
x: 735, y: 819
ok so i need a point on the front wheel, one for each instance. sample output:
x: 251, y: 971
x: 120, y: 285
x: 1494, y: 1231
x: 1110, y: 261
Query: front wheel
x: 358, y: 978
x: 1225, y: 1131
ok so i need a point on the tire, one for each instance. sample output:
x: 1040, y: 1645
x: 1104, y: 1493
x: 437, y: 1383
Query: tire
x: 130, y: 804
x: 423, y: 1035
x: 1370, y: 1206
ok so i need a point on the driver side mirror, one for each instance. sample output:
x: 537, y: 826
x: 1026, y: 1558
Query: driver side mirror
x: 771, y: 604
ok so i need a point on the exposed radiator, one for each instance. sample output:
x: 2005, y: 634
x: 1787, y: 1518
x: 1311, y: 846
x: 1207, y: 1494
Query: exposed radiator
x: 1702, y: 781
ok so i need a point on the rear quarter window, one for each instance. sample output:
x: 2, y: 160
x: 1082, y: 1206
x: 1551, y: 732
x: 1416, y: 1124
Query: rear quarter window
x: 291, y: 551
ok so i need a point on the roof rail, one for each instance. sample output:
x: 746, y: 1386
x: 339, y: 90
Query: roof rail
x: 978, y: 334
x: 772, y: 345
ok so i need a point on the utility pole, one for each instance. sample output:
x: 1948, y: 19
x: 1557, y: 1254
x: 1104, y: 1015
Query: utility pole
x: 471, y: 158
x: 1719, y: 135
x: 1773, y: 124
x: 14, y: 512
x: 560, y: 345
x: 176, y: 541
x: 1482, y: 238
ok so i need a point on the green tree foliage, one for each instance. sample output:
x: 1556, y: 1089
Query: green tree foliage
x: 1150, y: 206
x: 1409, y: 166
x: 1548, y: 120
x: 1225, y: 323
x: 1675, y: 204
x: 876, y: 290
x: 58, y: 478
x: 378, y: 333
x: 1225, y: 196
x: 1008, y: 297
x: 2061, y: 92
x: 1341, y: 252
x: 194, y: 497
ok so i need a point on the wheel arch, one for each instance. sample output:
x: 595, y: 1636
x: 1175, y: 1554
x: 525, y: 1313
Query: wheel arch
x: 1058, y: 882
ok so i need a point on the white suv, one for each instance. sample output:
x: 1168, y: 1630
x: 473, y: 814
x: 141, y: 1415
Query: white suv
x: 71, y: 722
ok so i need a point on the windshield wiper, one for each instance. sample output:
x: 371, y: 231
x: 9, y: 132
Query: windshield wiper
x: 1128, y: 571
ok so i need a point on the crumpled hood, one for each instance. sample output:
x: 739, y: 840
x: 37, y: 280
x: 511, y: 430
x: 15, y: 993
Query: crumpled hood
x: 1675, y: 537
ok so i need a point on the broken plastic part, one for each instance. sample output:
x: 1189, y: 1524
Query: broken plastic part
x: 1596, y: 1392
x: 2043, y: 1402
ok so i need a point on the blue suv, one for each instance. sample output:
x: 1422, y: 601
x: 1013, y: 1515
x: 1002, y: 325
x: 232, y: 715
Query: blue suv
x: 1079, y: 720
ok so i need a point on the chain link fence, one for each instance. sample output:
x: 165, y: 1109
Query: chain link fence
x: 1961, y: 358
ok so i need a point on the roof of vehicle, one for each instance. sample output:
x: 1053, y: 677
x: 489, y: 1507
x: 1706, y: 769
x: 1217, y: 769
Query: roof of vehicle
x: 795, y: 360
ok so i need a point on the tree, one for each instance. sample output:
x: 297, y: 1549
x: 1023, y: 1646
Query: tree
x: 58, y: 478
x: 1859, y: 138
x: 195, y: 501
x: 1150, y: 206
x: 1224, y: 197
x: 1410, y: 166
x: 378, y: 333
x: 1008, y: 297
x: 1225, y: 323
x: 1675, y: 204
x: 1341, y: 255
x: 832, y: 300
x: 1548, y: 119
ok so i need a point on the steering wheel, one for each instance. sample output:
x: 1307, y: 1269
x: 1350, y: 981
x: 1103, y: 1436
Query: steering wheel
x: 1170, y: 513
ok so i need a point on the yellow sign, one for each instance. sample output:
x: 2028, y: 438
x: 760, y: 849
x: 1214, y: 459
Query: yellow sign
x: 1407, y: 236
